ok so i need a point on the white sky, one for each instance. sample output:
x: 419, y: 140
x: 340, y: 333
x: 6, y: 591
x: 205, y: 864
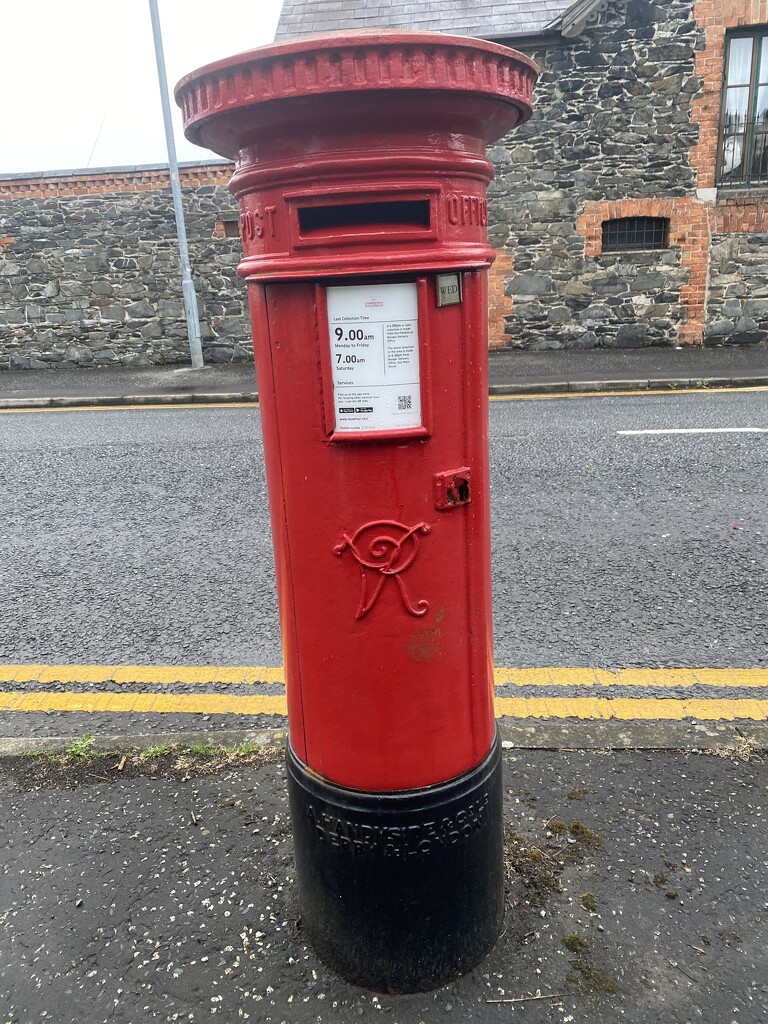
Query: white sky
x: 80, y: 80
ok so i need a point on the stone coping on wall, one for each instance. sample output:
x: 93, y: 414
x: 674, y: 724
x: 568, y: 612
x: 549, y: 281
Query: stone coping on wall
x: 97, y: 181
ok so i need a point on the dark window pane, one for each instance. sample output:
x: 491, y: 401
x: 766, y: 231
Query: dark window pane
x: 733, y: 153
x: 627, y: 233
x: 759, y: 168
x: 744, y: 124
x: 761, y: 108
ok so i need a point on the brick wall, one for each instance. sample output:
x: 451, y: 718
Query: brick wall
x: 499, y: 303
x: 689, y: 231
x: 737, y: 294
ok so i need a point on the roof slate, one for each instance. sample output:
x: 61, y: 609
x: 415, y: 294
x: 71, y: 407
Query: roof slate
x: 484, y: 19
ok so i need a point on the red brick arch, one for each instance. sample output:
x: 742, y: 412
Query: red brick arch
x: 689, y: 230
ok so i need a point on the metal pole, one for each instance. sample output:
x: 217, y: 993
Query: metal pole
x: 187, y: 285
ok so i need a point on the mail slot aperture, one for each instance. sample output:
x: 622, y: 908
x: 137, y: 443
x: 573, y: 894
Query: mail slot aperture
x: 380, y: 215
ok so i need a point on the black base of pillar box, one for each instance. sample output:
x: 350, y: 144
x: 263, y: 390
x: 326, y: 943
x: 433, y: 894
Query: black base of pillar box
x: 400, y: 891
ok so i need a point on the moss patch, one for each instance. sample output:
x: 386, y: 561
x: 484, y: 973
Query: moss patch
x: 585, y: 835
x: 588, y: 977
x: 539, y: 864
x: 589, y: 902
x: 578, y: 793
x: 537, y: 869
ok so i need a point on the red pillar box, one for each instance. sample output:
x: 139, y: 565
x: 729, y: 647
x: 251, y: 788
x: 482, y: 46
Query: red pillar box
x: 361, y: 175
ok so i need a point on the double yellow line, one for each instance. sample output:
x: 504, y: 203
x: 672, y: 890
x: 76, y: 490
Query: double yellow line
x: 624, y: 708
x: 165, y: 700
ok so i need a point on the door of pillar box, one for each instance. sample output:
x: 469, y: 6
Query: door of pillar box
x: 374, y: 411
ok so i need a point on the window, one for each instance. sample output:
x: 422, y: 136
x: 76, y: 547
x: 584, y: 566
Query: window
x: 627, y: 233
x: 743, y: 150
x: 228, y: 227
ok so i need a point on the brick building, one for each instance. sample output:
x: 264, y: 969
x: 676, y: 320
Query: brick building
x: 631, y: 210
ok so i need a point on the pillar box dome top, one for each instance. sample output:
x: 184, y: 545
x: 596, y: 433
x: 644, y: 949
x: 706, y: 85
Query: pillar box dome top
x: 362, y: 153
x: 397, y: 80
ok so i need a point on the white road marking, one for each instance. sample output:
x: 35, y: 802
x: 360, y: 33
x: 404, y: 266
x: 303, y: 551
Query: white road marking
x: 696, y: 430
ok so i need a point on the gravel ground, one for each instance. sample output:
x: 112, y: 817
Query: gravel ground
x: 165, y: 892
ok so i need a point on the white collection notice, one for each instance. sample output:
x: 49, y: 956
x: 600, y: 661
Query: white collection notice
x: 374, y: 339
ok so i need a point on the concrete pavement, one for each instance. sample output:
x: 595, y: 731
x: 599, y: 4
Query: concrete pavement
x: 511, y: 372
x: 159, y: 887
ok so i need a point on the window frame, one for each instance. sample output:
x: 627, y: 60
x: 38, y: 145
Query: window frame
x: 759, y: 36
x: 661, y: 229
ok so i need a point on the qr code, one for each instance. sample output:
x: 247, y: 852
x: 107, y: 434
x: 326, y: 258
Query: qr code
x: 404, y: 402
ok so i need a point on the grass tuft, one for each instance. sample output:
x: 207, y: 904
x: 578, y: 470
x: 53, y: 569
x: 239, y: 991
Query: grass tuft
x: 82, y: 748
x: 159, y: 750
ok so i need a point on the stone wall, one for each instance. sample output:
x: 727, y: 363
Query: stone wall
x: 612, y: 121
x: 90, y: 275
x: 738, y: 290
x: 626, y: 124
x: 612, y: 302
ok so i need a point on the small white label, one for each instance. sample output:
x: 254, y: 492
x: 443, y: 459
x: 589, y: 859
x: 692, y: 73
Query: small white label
x: 374, y: 339
x: 448, y: 289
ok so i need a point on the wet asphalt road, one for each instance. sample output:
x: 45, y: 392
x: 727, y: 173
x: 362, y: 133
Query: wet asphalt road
x: 618, y: 551
x: 142, y: 537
